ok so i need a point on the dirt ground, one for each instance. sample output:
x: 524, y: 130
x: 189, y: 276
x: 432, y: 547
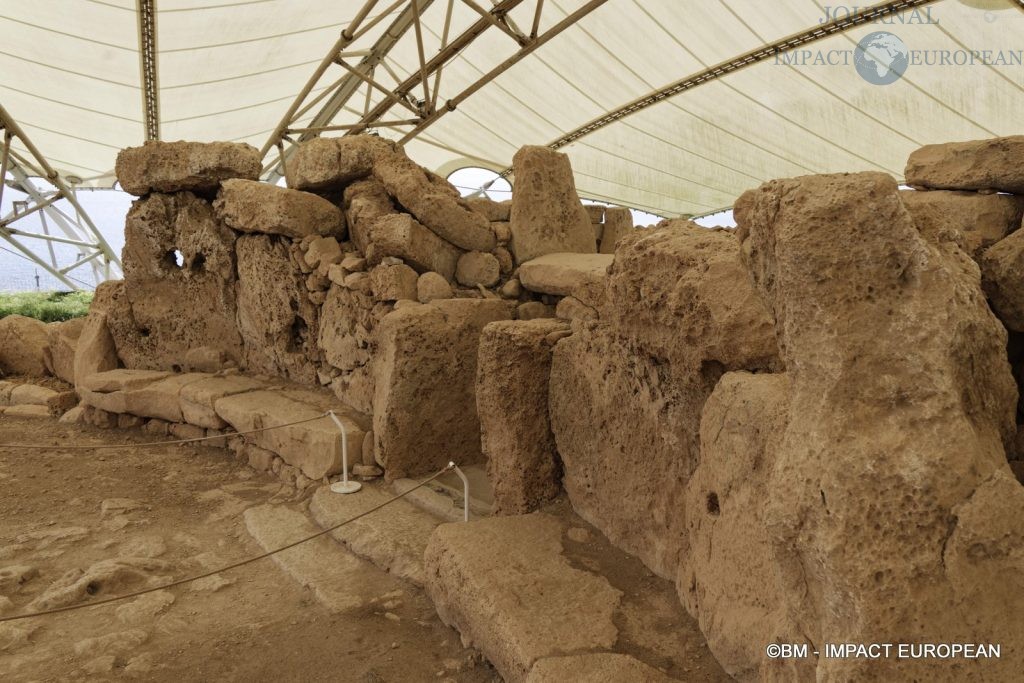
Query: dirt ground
x: 167, y: 513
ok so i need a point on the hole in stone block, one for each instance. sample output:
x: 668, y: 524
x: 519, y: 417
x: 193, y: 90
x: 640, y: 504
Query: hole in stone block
x: 713, y: 507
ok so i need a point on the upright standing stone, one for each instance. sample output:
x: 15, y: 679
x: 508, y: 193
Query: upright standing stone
x: 547, y: 215
x: 618, y: 222
x: 512, y: 401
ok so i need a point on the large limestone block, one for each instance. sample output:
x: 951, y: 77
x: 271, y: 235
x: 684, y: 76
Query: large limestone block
x: 512, y: 401
x: 278, y: 323
x: 179, y: 291
x: 506, y: 586
x: 121, y: 380
x: 95, y: 351
x: 251, y: 206
x: 22, y: 344
x: 424, y: 405
x: 977, y: 221
x: 603, y: 667
x: 365, y: 202
x: 61, y: 342
x: 994, y: 164
x: 561, y: 274
x: 681, y: 293
x: 618, y: 222
x: 333, y: 163
x: 1002, y: 271
x: 431, y: 200
x: 547, y: 215
x: 198, y: 398
x: 627, y: 433
x: 314, y: 447
x: 161, y: 399
x: 176, y: 166
x: 728, y: 581
x: 902, y: 400
x: 402, y: 236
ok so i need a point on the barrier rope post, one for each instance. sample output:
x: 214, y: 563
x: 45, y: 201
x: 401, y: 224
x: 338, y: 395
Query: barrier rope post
x: 343, y: 486
x: 465, y: 490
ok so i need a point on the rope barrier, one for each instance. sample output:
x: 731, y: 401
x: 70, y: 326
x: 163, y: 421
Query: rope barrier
x: 102, y: 447
x: 229, y: 567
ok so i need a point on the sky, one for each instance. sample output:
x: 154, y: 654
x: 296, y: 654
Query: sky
x: 108, y: 208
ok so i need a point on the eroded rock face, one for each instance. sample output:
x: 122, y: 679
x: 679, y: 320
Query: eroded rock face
x: 682, y: 294
x: 977, y: 221
x: 95, y: 351
x: 727, y: 580
x: 995, y: 164
x: 424, y: 406
x: 512, y: 401
x: 562, y: 274
x: 22, y: 341
x: 179, y: 291
x: 278, y: 324
x: 365, y: 202
x: 434, y: 203
x: 402, y: 236
x: 901, y: 403
x: 251, y: 206
x: 333, y: 163
x: 184, y: 166
x: 477, y: 268
x: 1002, y: 270
x: 547, y: 215
x: 619, y: 416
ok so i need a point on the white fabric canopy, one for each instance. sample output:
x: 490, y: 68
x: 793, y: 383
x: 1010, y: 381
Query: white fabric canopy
x: 229, y: 69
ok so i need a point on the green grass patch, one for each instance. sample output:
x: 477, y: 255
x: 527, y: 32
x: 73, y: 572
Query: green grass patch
x: 46, y: 306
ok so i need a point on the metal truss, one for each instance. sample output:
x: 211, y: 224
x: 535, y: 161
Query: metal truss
x: 18, y: 171
x: 413, y: 103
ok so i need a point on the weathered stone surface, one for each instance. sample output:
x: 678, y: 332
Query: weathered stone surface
x: 255, y: 207
x: 61, y: 342
x: 681, y: 293
x: 278, y: 324
x: 394, y: 538
x: 901, y: 403
x: 95, y: 351
x: 534, y: 310
x: 602, y: 667
x: 520, y: 601
x: 547, y: 216
x: 727, y: 581
x: 314, y: 447
x: 393, y: 282
x: 179, y: 291
x: 424, y: 406
x: 431, y: 200
x: 142, y: 393
x: 333, y: 163
x: 618, y: 222
x: 27, y: 410
x: 477, y: 268
x: 571, y: 308
x: 365, y: 201
x: 432, y: 286
x: 618, y: 416
x: 122, y: 380
x: 1002, y: 271
x: 975, y: 221
x: 994, y: 164
x: 22, y: 341
x: 403, y: 236
x: 178, y: 166
x: 339, y: 580
x: 198, y: 398
x: 512, y: 402
x: 561, y: 274
x: 595, y: 212
x: 494, y: 211
x: 322, y: 252
x: 30, y: 394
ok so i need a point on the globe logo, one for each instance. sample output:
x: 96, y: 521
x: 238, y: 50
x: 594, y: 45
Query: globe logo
x: 881, y: 58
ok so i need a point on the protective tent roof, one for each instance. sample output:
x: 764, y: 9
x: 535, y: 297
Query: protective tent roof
x: 229, y: 70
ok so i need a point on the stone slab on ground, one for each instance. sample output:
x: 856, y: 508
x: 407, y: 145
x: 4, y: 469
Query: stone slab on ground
x: 505, y: 585
x: 393, y: 538
x: 176, y: 166
x: 314, y: 447
x: 603, y: 667
x: 198, y: 398
x: 121, y: 379
x: 340, y: 581
x: 562, y: 273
